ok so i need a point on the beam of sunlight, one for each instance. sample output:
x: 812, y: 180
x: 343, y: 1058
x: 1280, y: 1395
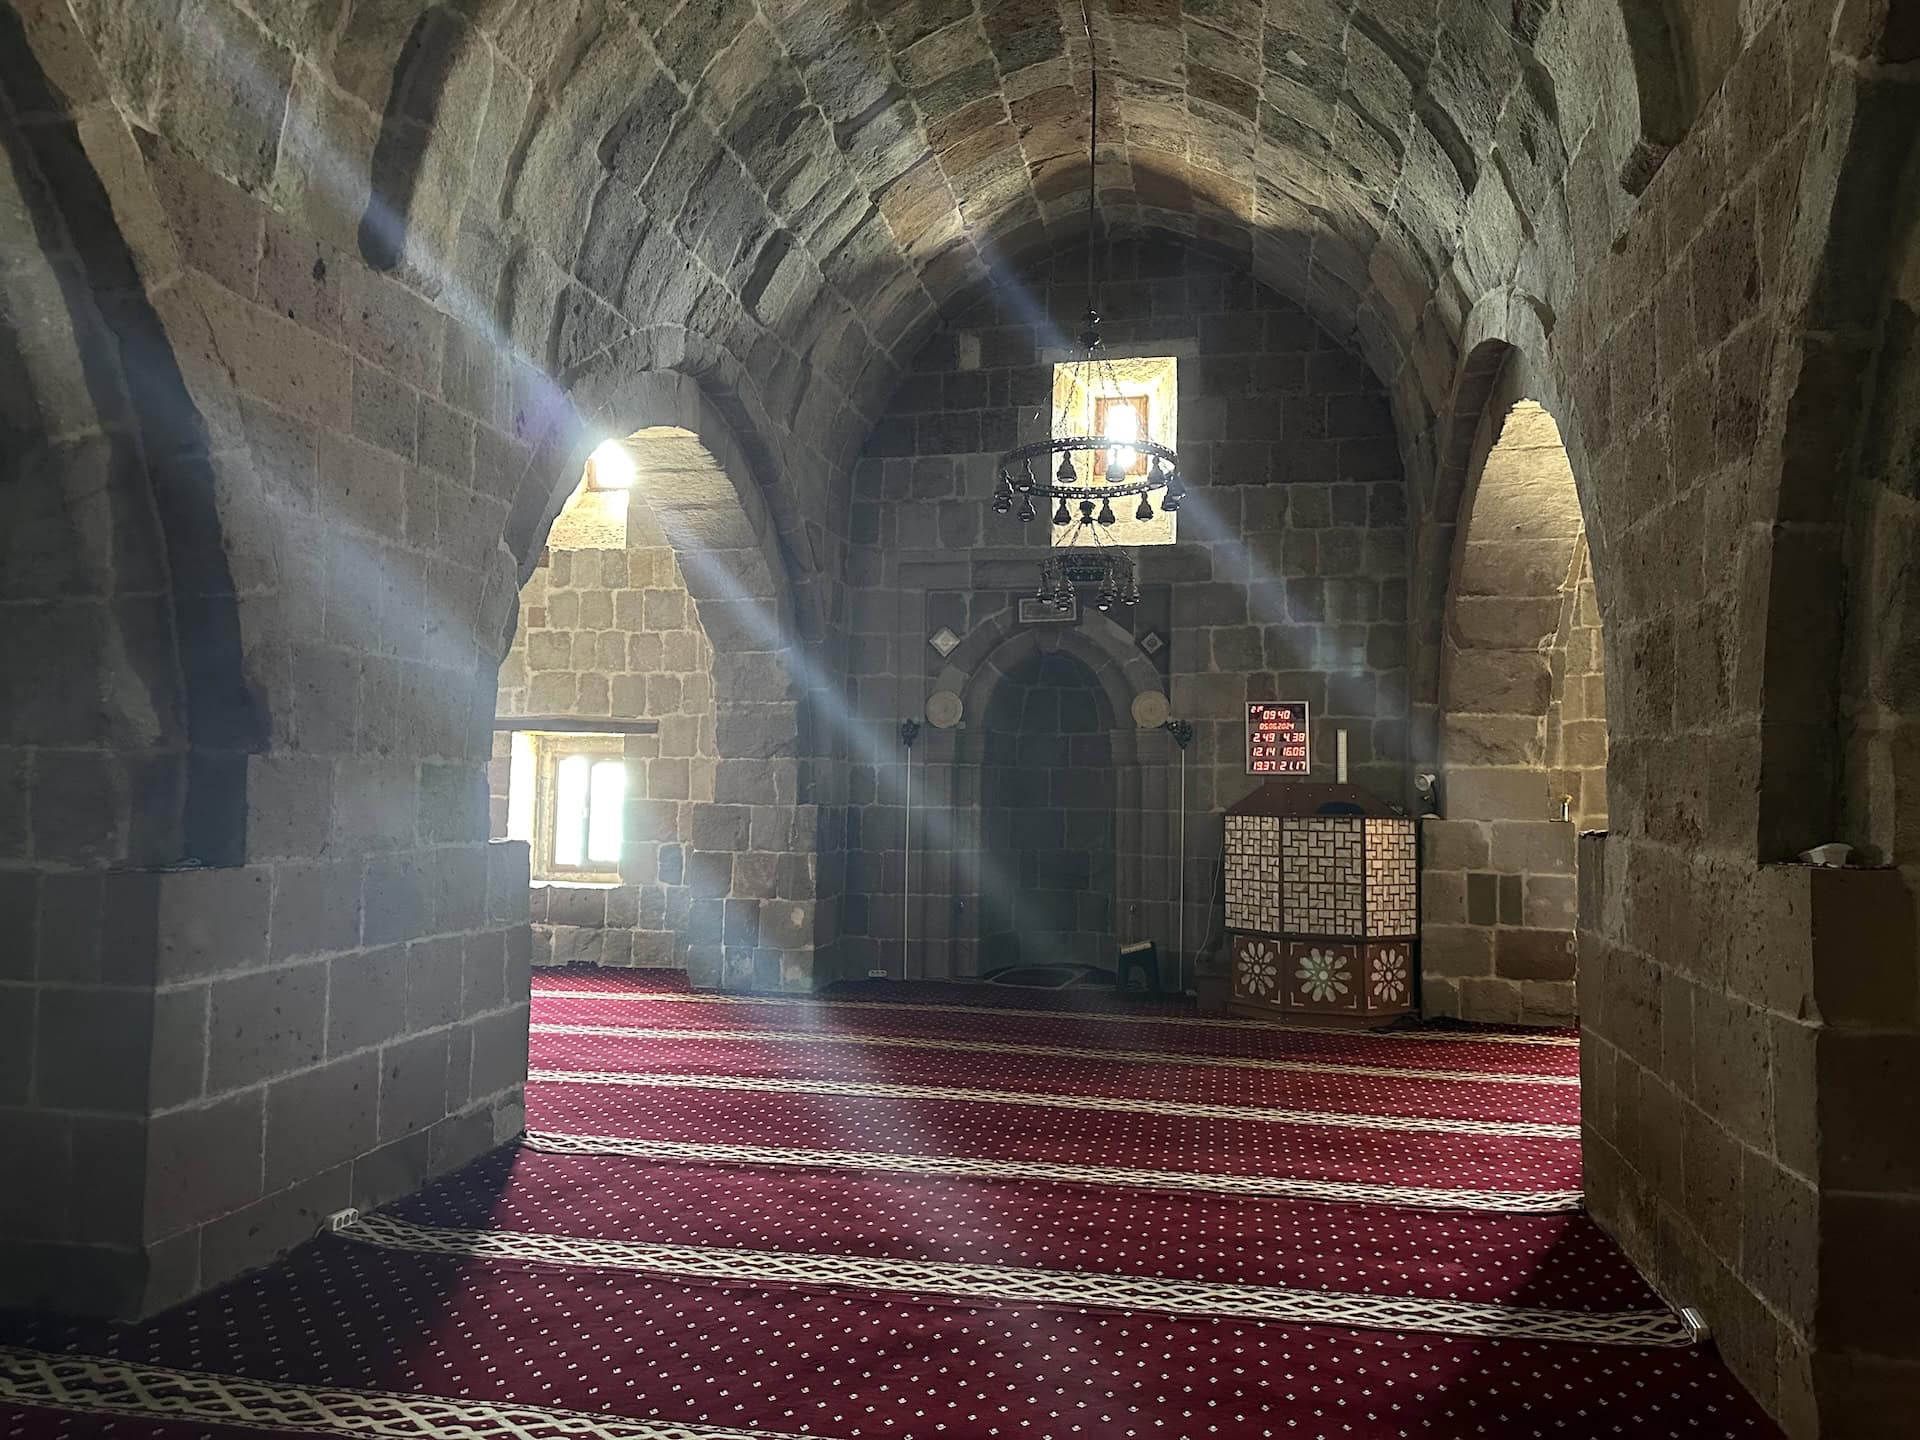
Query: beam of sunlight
x: 380, y: 599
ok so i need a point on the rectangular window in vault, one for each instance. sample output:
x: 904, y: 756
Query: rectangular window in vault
x: 1123, y: 399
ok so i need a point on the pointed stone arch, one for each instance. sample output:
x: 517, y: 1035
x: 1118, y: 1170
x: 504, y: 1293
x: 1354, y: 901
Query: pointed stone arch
x: 748, y: 840
x: 1522, y: 738
x: 982, y: 659
x: 952, y: 751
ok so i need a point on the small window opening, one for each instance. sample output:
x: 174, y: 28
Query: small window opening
x: 1122, y: 399
x: 567, y: 798
x: 1123, y: 417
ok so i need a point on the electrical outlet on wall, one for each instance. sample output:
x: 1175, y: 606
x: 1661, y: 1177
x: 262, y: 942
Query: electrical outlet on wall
x: 340, y: 1220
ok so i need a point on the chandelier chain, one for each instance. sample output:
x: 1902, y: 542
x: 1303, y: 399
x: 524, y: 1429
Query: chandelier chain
x: 1121, y: 461
x: 1093, y: 140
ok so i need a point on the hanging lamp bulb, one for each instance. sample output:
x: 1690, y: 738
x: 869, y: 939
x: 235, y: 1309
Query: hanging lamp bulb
x: 1060, y: 516
x: 1144, y: 510
x: 1026, y: 511
x: 1003, y: 495
x: 1106, y: 598
x: 1086, y: 510
x: 1106, y: 512
x: 1066, y: 474
x: 1176, y: 491
x: 1116, y: 469
x: 1025, y: 483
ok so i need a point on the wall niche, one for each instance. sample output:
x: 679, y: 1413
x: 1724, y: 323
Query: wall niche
x: 1047, y: 812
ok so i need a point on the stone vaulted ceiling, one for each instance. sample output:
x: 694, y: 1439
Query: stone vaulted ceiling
x: 782, y: 195
x: 825, y: 174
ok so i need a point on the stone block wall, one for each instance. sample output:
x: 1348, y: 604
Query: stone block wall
x: 613, y: 634
x: 208, y: 1062
x: 1288, y: 581
x: 1691, y: 260
x: 1733, y: 1103
x: 1497, y: 919
x: 1576, y: 739
x: 1700, y: 380
x: 327, y: 1007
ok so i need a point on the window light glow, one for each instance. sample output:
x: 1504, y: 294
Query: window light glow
x: 606, y: 807
x: 520, y: 786
x: 1126, y: 399
x: 613, y: 467
x: 1123, y: 424
x: 571, y: 791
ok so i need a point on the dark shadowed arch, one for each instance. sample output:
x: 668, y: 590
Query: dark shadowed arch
x: 1835, y: 688
x: 426, y: 62
x: 139, y: 619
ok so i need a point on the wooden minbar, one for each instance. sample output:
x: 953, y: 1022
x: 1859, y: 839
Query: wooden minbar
x: 1323, y: 907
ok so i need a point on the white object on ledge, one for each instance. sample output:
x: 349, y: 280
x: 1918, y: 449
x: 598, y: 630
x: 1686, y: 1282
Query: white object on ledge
x: 1833, y: 853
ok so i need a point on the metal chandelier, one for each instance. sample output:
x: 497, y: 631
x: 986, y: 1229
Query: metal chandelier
x: 1109, y: 466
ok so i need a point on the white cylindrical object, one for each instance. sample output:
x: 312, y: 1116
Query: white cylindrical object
x: 906, y: 875
x: 1180, y: 952
x: 1340, y: 755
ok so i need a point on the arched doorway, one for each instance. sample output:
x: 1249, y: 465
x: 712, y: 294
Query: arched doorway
x: 1522, y: 734
x: 604, y: 732
x: 663, y: 629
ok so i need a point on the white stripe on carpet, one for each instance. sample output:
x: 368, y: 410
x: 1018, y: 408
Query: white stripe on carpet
x: 966, y: 1167
x: 1014, y: 1284
x: 1115, y: 1017
x: 1070, y: 1052
x: 92, y: 1385
x: 1184, y: 1109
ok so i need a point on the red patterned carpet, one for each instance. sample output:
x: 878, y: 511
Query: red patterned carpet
x: 920, y: 1211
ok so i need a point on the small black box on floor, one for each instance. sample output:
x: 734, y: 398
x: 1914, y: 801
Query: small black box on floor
x: 1138, y: 972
